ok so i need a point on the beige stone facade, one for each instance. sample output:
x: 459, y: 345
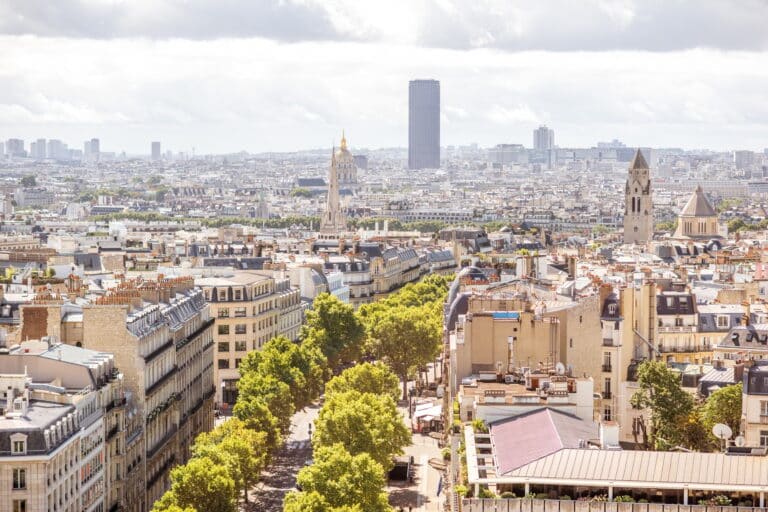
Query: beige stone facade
x: 249, y: 309
x: 161, y: 335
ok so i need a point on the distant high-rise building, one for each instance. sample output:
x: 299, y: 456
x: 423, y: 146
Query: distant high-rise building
x: 15, y: 147
x: 638, y: 210
x: 743, y: 158
x: 156, y: 155
x: 95, y: 149
x: 38, y: 153
x: 543, y: 138
x: 424, y: 124
x: 2, y: 150
x: 57, y: 150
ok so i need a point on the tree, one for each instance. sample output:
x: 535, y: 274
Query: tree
x: 301, y: 367
x: 162, y: 505
x: 301, y: 192
x: 255, y: 415
x: 29, y: 181
x: 374, y: 378
x: 334, y: 328
x: 405, y: 339
x: 722, y: 406
x: 200, y: 484
x: 241, y: 450
x: 341, y: 481
x: 362, y: 423
x: 274, y: 394
x: 670, y: 406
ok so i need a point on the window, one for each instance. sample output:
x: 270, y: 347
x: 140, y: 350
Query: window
x: 238, y: 295
x: 223, y: 329
x: 19, y: 478
x: 222, y: 295
x: 764, y: 438
x: 607, y: 413
x: 763, y: 407
x: 241, y: 329
x: 237, y: 363
x: 223, y: 312
x: 240, y: 346
x: 19, y: 447
x: 678, y: 322
x: 240, y: 312
x: 722, y: 320
x: 223, y: 346
x: 19, y: 505
x: 223, y: 364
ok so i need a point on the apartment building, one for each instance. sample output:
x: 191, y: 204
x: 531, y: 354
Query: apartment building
x: 61, y: 429
x: 160, y: 333
x: 246, y: 306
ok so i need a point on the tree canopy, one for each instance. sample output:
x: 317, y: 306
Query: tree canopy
x: 671, y: 407
x: 362, y: 423
x: 722, y: 406
x: 375, y: 378
x: 339, y: 481
x: 333, y: 327
x: 200, y: 484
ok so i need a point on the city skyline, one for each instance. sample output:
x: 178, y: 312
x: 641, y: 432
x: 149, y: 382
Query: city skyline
x: 647, y: 73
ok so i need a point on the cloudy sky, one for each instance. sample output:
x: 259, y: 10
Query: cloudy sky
x: 277, y: 75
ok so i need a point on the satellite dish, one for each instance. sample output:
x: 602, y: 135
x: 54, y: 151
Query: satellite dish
x: 740, y: 441
x: 560, y: 367
x: 722, y: 431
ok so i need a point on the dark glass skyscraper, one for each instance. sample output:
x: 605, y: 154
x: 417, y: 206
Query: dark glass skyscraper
x: 424, y: 124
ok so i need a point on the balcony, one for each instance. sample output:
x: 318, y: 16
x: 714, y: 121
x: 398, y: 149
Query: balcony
x: 607, y: 395
x: 607, y: 368
x: 764, y: 419
x: 677, y: 328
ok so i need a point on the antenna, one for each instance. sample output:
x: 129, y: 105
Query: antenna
x: 722, y: 431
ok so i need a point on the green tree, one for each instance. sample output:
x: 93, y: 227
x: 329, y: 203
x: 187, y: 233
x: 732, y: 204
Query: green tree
x: 28, y: 181
x: 363, y: 423
x: 334, y: 328
x: 722, y: 406
x: 301, y: 367
x: 736, y: 225
x: 341, y: 481
x: 162, y: 505
x: 200, y: 484
x: 374, y: 378
x: 255, y: 415
x: 242, y: 451
x: 301, y: 192
x: 405, y: 339
x: 274, y: 394
x: 670, y: 406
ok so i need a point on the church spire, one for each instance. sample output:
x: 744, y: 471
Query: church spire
x: 343, y: 141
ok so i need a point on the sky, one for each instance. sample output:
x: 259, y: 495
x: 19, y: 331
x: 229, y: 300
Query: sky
x: 223, y: 76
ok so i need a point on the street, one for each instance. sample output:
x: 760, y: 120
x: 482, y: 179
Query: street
x: 280, y: 476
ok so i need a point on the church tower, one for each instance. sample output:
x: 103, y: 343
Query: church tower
x: 638, y: 208
x: 333, y: 223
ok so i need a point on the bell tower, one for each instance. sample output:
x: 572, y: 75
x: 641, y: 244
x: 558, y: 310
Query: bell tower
x: 638, y: 206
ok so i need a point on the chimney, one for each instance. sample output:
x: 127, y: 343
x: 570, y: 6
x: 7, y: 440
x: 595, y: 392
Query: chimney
x: 738, y: 372
x: 609, y: 435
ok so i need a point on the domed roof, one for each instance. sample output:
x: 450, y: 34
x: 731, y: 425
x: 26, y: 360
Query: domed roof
x: 343, y: 152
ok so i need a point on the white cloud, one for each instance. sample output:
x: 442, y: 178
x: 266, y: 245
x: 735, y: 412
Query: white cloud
x: 262, y: 94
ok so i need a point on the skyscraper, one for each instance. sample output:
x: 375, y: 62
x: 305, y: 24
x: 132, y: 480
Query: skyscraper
x: 95, y: 149
x: 638, y: 209
x: 156, y: 151
x: 15, y: 147
x: 424, y: 124
x: 543, y: 138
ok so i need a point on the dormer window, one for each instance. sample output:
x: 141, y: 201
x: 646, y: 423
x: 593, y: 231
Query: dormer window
x: 18, y: 444
x: 612, y: 309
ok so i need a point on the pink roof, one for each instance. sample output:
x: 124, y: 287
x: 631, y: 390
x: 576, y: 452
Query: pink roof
x: 523, y: 439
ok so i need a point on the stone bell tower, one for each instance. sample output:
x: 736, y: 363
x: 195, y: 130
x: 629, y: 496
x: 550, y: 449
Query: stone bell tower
x: 638, y: 208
